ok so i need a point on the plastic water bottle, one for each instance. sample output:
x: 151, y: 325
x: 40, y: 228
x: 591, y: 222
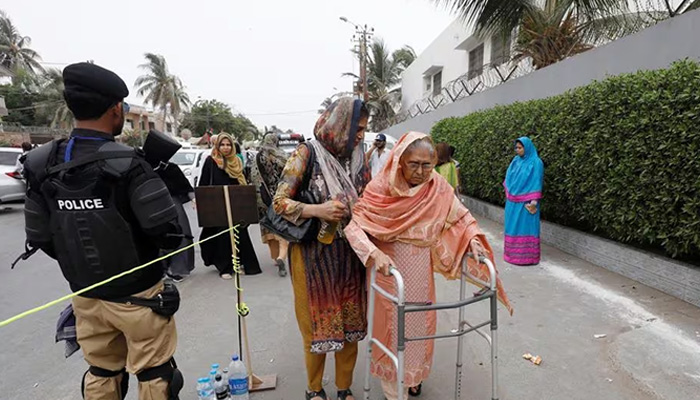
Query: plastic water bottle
x: 212, y: 376
x: 224, y: 375
x: 205, y: 391
x: 215, y: 367
x: 221, y: 388
x: 238, y: 379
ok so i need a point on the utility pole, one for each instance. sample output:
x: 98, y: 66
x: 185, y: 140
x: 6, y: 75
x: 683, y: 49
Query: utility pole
x: 361, y: 36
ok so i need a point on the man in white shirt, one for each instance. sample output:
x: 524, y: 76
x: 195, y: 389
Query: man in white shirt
x: 377, y: 156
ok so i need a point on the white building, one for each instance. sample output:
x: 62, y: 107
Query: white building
x: 141, y: 118
x: 456, y: 53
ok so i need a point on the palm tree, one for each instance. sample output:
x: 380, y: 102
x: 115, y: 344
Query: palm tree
x: 15, y: 54
x: 54, y: 107
x: 329, y: 100
x: 553, y: 30
x: 161, y: 88
x: 384, y: 70
x: 553, y: 33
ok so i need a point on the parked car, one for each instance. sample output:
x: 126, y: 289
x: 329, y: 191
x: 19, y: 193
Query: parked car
x: 190, y: 162
x: 198, y: 164
x: 12, y: 186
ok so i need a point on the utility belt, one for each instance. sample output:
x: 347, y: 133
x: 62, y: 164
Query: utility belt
x: 165, y: 303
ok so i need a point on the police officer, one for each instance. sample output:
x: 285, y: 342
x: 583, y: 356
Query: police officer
x: 98, y: 208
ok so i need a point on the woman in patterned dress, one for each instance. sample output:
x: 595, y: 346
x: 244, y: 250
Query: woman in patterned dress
x: 328, y: 279
x: 409, y: 218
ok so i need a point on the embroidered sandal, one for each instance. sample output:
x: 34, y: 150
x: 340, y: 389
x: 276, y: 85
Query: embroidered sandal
x: 321, y: 394
x: 343, y: 394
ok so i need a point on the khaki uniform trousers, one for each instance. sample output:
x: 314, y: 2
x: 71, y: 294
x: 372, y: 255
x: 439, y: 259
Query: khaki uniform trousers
x: 113, y: 336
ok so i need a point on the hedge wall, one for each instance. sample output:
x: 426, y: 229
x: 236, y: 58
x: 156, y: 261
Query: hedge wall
x: 622, y: 156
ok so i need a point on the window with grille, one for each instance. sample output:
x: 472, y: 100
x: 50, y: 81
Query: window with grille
x: 476, y: 61
x: 500, y: 50
x: 437, y: 83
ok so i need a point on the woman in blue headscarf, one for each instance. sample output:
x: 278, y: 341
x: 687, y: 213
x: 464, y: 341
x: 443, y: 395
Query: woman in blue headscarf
x: 523, y: 185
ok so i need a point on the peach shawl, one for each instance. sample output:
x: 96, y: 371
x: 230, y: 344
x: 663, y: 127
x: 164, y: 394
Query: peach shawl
x: 427, y: 215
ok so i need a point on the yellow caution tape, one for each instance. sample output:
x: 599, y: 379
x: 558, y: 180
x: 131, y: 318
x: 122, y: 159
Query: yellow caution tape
x: 96, y: 285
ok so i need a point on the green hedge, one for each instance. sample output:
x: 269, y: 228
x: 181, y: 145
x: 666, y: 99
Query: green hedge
x: 622, y: 156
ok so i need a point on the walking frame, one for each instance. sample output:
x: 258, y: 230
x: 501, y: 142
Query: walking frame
x: 464, y: 327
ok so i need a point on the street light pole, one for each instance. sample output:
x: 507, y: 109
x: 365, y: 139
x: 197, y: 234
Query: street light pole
x: 362, y: 35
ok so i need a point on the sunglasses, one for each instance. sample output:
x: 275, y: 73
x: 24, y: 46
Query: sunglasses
x: 125, y: 107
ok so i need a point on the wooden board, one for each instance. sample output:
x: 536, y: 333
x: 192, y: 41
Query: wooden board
x: 211, y: 207
x: 262, y: 383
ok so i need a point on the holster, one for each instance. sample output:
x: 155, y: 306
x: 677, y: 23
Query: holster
x: 165, y: 303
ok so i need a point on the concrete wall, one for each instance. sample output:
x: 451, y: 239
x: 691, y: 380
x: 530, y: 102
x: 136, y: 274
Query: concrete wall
x: 678, y: 279
x: 654, y: 48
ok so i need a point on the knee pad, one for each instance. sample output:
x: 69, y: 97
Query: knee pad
x: 105, y: 373
x: 169, y: 373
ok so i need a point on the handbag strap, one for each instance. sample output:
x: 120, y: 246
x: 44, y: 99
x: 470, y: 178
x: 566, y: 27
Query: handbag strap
x: 309, y: 168
x: 262, y: 178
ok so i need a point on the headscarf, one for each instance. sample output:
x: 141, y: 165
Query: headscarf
x: 342, y: 162
x: 270, y: 152
x: 426, y: 215
x: 525, y: 175
x: 268, y: 166
x: 232, y: 163
x: 443, y: 152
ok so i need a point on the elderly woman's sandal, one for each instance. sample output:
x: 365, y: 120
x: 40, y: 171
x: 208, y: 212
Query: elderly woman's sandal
x: 312, y: 395
x: 416, y: 390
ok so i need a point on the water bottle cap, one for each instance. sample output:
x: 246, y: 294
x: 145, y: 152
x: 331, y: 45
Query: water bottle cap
x: 212, y: 372
x: 235, y: 357
x: 205, y: 380
x: 215, y: 366
x: 226, y: 370
x: 202, y: 380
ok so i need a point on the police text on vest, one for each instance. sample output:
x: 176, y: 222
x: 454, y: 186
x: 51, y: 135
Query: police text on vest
x: 81, y: 204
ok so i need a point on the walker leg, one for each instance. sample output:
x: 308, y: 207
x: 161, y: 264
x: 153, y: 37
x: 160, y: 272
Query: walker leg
x: 494, y: 347
x: 370, y: 327
x: 401, y: 345
x: 460, y: 343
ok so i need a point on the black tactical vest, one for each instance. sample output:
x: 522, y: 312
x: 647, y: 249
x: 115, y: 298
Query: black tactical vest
x: 91, y: 236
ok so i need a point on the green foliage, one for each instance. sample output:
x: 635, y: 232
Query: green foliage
x: 218, y: 116
x: 621, y: 156
x: 133, y: 138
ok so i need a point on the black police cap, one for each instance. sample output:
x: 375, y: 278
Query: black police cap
x: 90, y: 89
x: 88, y: 77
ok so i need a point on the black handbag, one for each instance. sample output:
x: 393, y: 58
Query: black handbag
x: 308, y: 230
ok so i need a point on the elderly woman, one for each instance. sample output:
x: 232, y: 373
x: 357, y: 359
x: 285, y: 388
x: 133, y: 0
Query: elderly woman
x: 409, y: 218
x: 266, y: 171
x: 327, y: 277
x: 225, y: 167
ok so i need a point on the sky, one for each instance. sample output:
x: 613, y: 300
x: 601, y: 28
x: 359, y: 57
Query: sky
x: 273, y: 60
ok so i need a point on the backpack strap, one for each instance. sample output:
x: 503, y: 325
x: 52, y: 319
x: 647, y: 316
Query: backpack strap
x: 91, y: 158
